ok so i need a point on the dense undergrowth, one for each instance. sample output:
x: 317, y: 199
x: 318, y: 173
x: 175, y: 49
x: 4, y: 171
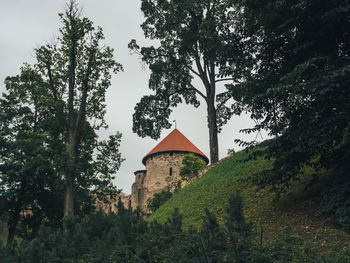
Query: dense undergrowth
x: 127, y: 237
x: 301, y: 206
x: 206, y: 221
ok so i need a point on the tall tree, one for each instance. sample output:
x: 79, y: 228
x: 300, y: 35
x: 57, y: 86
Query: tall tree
x: 28, y: 180
x: 196, y: 38
x: 300, y: 88
x: 49, y: 116
x: 78, y: 69
x: 33, y: 158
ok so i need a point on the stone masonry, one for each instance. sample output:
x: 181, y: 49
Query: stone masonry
x: 162, y: 171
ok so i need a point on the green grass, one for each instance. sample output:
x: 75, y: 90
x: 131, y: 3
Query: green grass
x: 298, y: 208
x: 211, y: 190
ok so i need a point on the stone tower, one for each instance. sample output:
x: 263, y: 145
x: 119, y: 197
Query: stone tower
x: 163, y: 164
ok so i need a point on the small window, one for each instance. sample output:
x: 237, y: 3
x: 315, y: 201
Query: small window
x: 171, y: 171
x: 171, y: 154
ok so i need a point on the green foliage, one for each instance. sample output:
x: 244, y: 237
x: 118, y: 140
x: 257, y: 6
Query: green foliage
x: 28, y: 179
x: 212, y: 189
x: 231, y: 151
x: 196, y: 39
x: 299, y: 88
x: 298, y: 208
x: 191, y: 165
x: 126, y: 237
x: 158, y: 199
x: 49, y: 117
x: 336, y: 199
x: 77, y: 70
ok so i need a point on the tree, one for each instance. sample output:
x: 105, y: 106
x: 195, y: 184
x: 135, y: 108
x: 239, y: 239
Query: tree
x: 191, y: 165
x: 78, y: 70
x: 300, y: 88
x: 196, y: 39
x: 27, y: 177
x: 44, y: 111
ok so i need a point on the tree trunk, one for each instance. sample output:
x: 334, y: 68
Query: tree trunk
x: 11, y: 232
x: 213, y: 131
x: 12, y: 226
x: 71, y: 129
x: 69, y: 194
x: 69, y: 187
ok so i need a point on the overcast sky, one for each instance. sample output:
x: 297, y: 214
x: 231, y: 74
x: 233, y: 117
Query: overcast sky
x: 25, y: 25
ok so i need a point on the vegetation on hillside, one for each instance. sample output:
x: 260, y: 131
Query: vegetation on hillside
x: 300, y: 208
x: 158, y: 199
x: 299, y: 91
x: 126, y: 237
x: 191, y: 165
x: 287, y: 63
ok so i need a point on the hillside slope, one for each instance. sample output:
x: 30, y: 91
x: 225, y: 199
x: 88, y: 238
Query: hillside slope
x: 298, y: 208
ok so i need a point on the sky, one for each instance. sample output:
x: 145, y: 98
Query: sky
x: 26, y: 25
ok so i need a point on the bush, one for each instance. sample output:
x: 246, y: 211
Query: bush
x: 191, y: 165
x: 126, y: 237
x: 158, y: 199
x: 336, y: 199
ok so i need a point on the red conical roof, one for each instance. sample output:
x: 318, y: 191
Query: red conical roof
x: 175, y: 142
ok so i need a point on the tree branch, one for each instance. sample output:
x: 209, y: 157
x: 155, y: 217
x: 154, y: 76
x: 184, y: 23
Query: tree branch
x: 199, y: 92
x: 52, y: 85
x: 194, y: 72
x: 82, y: 108
x: 227, y: 79
x: 222, y: 103
x: 203, y: 76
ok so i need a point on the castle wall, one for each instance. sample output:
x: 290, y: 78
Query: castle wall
x: 112, y: 207
x: 162, y: 171
x: 138, y: 189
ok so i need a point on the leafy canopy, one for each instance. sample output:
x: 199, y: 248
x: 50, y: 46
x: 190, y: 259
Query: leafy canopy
x: 196, y: 39
x: 299, y: 90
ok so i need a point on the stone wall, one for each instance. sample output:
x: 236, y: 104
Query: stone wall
x: 112, y: 207
x: 162, y: 172
x: 138, y: 189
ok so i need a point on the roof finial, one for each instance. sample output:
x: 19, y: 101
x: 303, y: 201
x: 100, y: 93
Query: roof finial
x: 175, y: 124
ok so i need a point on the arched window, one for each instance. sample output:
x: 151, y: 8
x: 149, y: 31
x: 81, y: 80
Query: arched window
x: 171, y: 171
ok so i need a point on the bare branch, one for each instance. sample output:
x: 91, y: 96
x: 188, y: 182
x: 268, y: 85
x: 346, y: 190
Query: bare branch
x: 227, y: 79
x: 52, y: 85
x: 202, y: 74
x: 222, y: 103
x: 194, y: 72
x: 199, y: 92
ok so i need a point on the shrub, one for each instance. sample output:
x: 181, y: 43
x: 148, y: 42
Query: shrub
x: 191, y: 165
x: 158, y: 199
x: 336, y: 199
x: 126, y: 237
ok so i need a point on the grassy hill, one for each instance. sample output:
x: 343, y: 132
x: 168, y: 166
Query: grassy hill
x: 298, y: 208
